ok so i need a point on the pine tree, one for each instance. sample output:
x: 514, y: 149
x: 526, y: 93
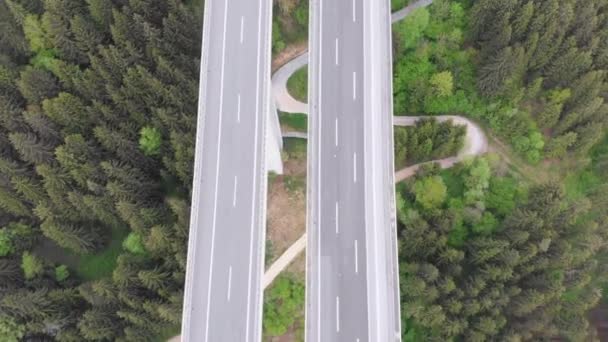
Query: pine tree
x: 10, y: 273
x: 29, y: 189
x: 11, y: 203
x: 68, y: 111
x: 43, y: 127
x: 100, y: 323
x: 37, y: 85
x: 80, y: 238
x: 155, y: 279
x: 31, y: 148
x: 27, y: 305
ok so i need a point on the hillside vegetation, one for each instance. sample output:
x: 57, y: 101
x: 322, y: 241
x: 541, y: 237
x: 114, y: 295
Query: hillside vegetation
x: 488, y: 253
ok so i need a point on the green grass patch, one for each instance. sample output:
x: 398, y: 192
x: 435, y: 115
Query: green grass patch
x: 454, y: 182
x: 283, y: 305
x: 297, y: 122
x: 297, y: 85
x: 99, y: 265
x: 579, y: 184
x: 398, y: 4
x: 166, y: 334
x: 294, y: 148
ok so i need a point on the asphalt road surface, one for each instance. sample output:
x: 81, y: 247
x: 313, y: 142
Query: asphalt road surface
x: 223, y: 298
x: 352, y: 294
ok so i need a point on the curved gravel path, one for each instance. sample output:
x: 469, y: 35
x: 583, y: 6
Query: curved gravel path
x: 476, y: 142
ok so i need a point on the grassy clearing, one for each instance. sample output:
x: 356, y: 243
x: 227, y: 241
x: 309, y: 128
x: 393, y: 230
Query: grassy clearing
x: 295, y: 122
x: 99, y: 265
x: 297, y: 85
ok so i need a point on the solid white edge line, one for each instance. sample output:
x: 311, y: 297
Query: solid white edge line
x: 320, y: 161
x: 255, y: 161
x: 337, y: 314
x: 229, y: 282
x: 217, y: 172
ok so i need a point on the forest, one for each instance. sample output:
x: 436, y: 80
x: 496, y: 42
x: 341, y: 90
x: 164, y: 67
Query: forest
x: 98, y: 105
x: 510, y: 247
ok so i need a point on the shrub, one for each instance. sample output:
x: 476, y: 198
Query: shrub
x: 61, y: 273
x: 32, y: 266
x: 430, y: 192
x: 6, y: 243
x: 134, y: 244
x: 150, y: 141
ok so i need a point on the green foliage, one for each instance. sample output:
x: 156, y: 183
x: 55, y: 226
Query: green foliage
x: 398, y: 4
x: 411, y: 29
x: 36, y: 85
x: 477, y: 180
x: 278, y: 44
x: 67, y: 111
x: 81, y: 238
x: 294, y: 148
x: 77, y: 81
x: 11, y: 330
x: 99, y: 324
x: 528, y: 41
x: 283, y: 305
x: 15, y: 237
x: 290, y: 23
x: 530, y: 146
x: 150, y: 141
x: 427, y: 140
x: 297, y: 122
x: 134, y: 244
x: 484, y: 268
x: 502, y: 195
x: 297, y: 85
x: 443, y: 83
x: 6, y: 242
x: 34, y: 33
x: 430, y: 192
x: 31, y: 265
x: 301, y: 14
x: 61, y: 273
x: 99, y: 265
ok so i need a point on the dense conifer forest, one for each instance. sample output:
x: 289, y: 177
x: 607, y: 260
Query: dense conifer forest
x: 97, y: 119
